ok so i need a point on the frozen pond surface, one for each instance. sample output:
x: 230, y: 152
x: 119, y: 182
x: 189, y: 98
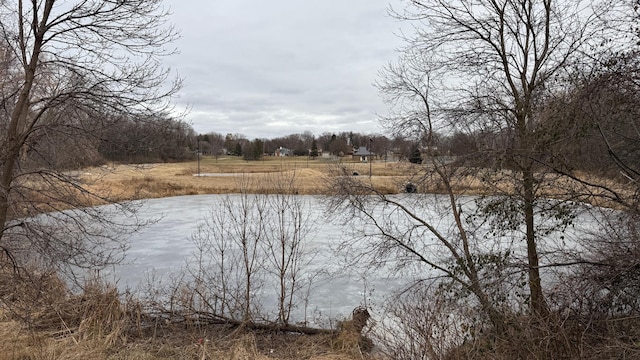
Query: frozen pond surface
x: 164, y: 248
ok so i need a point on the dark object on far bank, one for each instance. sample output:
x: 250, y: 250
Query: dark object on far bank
x: 410, y: 188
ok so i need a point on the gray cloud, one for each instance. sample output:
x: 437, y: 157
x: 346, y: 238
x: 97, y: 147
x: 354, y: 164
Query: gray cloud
x: 271, y: 68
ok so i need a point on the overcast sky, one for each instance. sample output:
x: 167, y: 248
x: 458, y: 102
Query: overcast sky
x: 272, y: 68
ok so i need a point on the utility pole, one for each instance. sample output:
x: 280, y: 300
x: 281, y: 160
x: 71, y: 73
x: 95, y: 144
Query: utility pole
x: 370, y: 153
x: 198, y: 154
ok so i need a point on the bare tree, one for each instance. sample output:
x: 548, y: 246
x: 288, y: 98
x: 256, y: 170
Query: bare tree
x: 607, y: 103
x: 484, y: 69
x: 248, y: 228
x: 71, y: 65
x: 247, y: 242
x: 288, y: 224
x: 227, y: 273
x: 217, y: 144
x: 601, y: 289
x: 499, y: 59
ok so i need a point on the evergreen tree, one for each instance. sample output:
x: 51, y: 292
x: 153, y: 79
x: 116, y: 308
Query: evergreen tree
x: 257, y: 149
x: 254, y: 150
x: 415, y: 157
x: 314, y: 148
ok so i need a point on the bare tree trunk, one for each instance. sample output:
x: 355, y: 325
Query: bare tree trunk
x: 538, y: 303
x: 15, y: 137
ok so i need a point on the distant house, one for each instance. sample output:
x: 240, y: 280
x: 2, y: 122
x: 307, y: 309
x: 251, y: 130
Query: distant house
x: 363, y: 153
x: 283, y: 152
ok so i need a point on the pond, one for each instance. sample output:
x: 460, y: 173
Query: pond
x: 164, y: 249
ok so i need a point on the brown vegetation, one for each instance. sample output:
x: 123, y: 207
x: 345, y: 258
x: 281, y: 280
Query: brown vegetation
x: 224, y: 175
x: 100, y: 324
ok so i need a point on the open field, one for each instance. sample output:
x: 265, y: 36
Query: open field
x: 230, y: 174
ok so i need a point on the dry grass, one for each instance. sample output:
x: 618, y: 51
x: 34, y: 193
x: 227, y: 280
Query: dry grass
x: 229, y: 175
x: 168, y: 342
x: 99, y: 324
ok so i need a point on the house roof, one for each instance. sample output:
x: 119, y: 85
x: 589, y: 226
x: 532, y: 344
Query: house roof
x: 362, y: 151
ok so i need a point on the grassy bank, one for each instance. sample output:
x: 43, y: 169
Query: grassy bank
x: 42, y: 320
